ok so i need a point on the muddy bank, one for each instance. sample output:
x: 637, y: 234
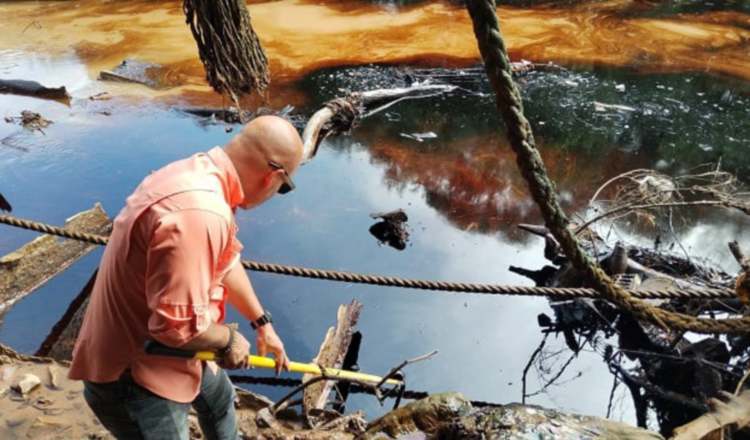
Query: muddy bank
x: 54, y: 408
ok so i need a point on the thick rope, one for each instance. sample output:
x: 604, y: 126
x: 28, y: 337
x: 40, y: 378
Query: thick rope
x: 379, y: 280
x: 228, y: 46
x: 497, y: 65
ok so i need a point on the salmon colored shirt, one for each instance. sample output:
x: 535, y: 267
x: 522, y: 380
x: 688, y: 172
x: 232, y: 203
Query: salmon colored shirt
x: 161, y: 276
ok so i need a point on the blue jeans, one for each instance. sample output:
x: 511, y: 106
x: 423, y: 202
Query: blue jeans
x: 130, y: 411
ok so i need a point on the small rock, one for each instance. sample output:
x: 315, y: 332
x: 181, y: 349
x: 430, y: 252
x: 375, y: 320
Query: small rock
x: 54, y: 382
x: 620, y: 88
x: 15, y: 420
x: 42, y: 404
x: 27, y: 383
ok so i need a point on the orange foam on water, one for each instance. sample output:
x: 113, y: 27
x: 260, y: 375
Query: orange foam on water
x: 302, y: 36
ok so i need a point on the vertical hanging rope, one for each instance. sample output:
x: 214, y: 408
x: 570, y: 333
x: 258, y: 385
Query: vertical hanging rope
x: 497, y: 65
x: 228, y: 46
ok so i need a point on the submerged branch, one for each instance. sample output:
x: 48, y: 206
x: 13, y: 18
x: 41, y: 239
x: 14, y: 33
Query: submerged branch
x: 351, y: 108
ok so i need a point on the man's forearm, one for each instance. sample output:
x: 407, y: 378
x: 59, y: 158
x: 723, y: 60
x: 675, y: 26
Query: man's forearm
x: 241, y: 293
x: 215, y: 337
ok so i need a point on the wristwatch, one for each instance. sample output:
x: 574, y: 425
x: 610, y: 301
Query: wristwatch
x: 264, y: 319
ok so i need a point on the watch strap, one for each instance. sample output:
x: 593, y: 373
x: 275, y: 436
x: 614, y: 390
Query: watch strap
x: 264, y: 319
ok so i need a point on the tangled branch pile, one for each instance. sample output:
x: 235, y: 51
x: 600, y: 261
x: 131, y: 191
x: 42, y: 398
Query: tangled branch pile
x: 229, y: 48
x: 639, y: 192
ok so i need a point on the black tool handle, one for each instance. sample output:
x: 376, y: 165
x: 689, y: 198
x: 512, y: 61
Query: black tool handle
x: 159, y: 349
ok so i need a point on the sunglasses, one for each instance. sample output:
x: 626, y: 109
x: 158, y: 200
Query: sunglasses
x: 288, y: 185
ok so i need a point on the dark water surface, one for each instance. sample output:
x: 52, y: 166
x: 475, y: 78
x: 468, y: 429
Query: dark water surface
x: 461, y: 190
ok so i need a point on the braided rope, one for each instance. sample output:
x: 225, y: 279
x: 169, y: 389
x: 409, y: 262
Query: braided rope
x: 497, y: 65
x: 380, y: 280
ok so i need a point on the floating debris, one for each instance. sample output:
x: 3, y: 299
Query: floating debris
x: 391, y: 230
x: 602, y: 107
x: 103, y: 96
x: 33, y: 88
x: 139, y: 72
x: 231, y: 115
x: 419, y: 137
x: 29, y: 120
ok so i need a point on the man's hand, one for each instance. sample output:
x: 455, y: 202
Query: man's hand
x: 268, y: 341
x: 237, y: 356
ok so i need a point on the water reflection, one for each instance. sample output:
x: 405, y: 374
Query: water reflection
x: 589, y: 126
x: 461, y: 190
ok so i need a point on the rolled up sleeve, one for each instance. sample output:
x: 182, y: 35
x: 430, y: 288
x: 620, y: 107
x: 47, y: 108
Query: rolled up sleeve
x: 182, y: 258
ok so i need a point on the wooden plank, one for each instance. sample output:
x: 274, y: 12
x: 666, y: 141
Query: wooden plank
x: 33, y: 264
x: 351, y: 362
x: 60, y: 341
x: 331, y: 354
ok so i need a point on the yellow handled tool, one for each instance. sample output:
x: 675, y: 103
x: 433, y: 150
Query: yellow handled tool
x: 156, y: 348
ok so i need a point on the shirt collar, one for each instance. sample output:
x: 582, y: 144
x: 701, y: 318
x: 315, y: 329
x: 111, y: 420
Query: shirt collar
x: 230, y: 180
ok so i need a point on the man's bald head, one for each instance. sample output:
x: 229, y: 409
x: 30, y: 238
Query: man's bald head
x: 264, y: 139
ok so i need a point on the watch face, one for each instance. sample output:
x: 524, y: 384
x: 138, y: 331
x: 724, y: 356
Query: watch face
x: 264, y: 319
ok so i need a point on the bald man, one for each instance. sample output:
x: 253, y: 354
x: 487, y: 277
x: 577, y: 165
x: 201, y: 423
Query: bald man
x: 172, y: 262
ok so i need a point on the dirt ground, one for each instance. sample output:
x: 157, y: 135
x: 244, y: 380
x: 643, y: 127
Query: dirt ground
x: 56, y: 409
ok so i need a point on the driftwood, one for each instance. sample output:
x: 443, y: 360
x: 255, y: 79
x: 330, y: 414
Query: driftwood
x: 27, y: 268
x: 137, y: 72
x: 108, y: 75
x: 735, y: 412
x: 331, y: 354
x: 33, y: 88
x: 317, y: 127
x: 552, y: 253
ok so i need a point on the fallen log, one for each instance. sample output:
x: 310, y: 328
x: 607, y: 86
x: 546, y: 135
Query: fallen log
x: 60, y: 341
x: 32, y: 88
x: 4, y: 204
x: 30, y: 266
